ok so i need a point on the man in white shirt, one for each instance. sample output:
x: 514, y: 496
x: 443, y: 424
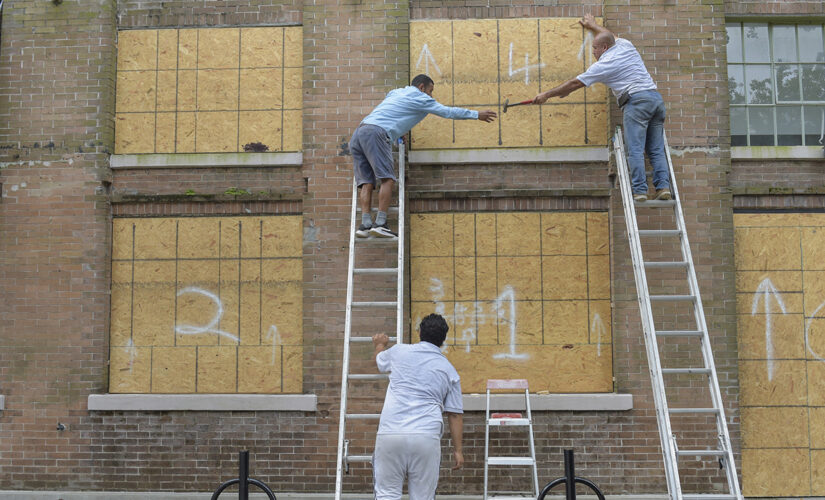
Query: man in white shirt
x: 371, y: 145
x: 619, y: 66
x: 423, y: 385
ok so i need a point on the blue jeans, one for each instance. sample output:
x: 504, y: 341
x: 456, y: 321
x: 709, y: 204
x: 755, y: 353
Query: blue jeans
x: 644, y: 118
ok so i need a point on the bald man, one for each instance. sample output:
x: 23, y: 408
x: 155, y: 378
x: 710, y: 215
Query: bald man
x: 619, y: 66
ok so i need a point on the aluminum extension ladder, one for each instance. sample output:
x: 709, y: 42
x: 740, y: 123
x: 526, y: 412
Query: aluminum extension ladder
x: 367, y: 308
x: 670, y: 449
x: 510, y: 420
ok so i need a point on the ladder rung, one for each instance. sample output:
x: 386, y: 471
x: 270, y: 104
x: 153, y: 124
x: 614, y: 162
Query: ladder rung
x: 368, y: 376
x: 659, y: 232
x: 701, y: 453
x: 655, y: 203
x: 363, y: 416
x: 679, y: 333
x: 693, y: 410
x: 509, y: 461
x: 685, y: 370
x: 509, y: 421
x: 372, y: 240
x: 673, y: 298
x: 359, y: 458
x: 366, y: 339
x: 709, y: 496
x: 661, y: 265
x: 375, y: 304
x: 376, y: 270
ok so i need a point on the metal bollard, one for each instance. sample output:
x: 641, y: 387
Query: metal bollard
x: 243, y: 481
x: 570, y: 480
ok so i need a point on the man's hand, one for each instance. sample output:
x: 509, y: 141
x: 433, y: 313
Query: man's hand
x: 459, y: 460
x: 588, y: 21
x: 487, y: 116
x: 379, y: 339
x: 541, y: 98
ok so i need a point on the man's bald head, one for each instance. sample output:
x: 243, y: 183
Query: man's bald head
x: 602, y: 42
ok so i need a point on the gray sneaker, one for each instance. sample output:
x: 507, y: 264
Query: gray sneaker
x: 382, y: 231
x: 363, y: 231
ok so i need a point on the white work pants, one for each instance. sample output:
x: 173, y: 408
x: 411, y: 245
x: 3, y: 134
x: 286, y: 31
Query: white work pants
x: 414, y: 456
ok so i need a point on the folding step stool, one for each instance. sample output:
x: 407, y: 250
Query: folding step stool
x: 510, y: 419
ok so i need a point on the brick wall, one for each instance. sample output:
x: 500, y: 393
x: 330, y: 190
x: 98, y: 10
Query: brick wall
x: 57, y: 91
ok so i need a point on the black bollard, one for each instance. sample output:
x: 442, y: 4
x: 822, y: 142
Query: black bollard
x: 243, y: 481
x: 570, y: 481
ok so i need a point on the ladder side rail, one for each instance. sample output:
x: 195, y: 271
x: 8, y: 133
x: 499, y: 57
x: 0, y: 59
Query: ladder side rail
x: 532, y: 444
x: 399, y: 321
x: 339, y: 467
x: 701, y: 324
x: 486, y: 441
x: 651, y: 346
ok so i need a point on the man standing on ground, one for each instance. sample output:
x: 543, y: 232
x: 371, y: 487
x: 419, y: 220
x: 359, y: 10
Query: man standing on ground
x: 619, y: 66
x: 423, y: 384
x: 372, y: 141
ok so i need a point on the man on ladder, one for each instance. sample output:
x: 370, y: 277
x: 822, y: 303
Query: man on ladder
x: 371, y: 145
x: 423, y: 384
x: 619, y: 66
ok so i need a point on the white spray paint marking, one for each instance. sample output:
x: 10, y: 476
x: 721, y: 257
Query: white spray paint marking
x: 583, y: 49
x: 272, y: 335
x: 510, y: 296
x: 765, y: 291
x: 597, y: 325
x: 130, y: 346
x: 525, y: 68
x: 428, y: 58
x: 808, y: 322
x: 210, y: 327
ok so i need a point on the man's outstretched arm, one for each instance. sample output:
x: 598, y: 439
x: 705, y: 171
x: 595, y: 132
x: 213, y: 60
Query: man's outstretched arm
x: 589, y: 22
x: 561, y: 91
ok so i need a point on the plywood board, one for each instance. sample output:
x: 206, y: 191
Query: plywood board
x: 776, y: 472
x: 508, y: 305
x: 478, y: 64
x: 184, y: 287
x: 779, y: 427
x: 224, y: 70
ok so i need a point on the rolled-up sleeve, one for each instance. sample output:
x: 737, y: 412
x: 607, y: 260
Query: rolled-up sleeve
x: 384, y: 360
x: 454, y: 403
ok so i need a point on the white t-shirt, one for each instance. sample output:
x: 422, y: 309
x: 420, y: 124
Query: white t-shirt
x: 621, y: 68
x: 423, y: 385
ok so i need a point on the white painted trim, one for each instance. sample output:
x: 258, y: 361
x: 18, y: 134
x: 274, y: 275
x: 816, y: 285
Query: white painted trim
x: 203, y: 402
x: 551, y: 402
x: 502, y: 155
x: 777, y: 153
x: 206, y: 160
x: 2, y: 402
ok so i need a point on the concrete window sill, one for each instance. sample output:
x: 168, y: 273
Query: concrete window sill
x: 507, y: 155
x: 777, y: 153
x: 206, y: 160
x: 551, y: 402
x: 202, y: 402
x: 2, y: 402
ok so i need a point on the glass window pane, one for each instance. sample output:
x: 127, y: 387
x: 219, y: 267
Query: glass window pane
x: 810, y: 43
x: 784, y: 43
x: 787, y: 82
x: 814, y: 125
x: 736, y: 84
x: 756, y: 43
x: 760, y: 90
x: 760, y: 126
x: 738, y: 126
x: 789, y: 126
x: 813, y: 82
x: 734, y: 31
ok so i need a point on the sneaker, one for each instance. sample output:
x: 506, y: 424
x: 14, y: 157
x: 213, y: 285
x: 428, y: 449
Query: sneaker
x: 639, y: 197
x: 382, y: 231
x: 363, y: 231
x: 663, y: 194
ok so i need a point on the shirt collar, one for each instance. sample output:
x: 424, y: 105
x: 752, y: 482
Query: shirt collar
x: 427, y: 346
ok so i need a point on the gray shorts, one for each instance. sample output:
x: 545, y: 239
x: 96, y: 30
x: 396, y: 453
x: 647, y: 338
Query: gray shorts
x: 414, y: 456
x: 371, y: 154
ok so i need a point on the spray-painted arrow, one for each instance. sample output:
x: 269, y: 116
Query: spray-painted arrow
x: 765, y: 291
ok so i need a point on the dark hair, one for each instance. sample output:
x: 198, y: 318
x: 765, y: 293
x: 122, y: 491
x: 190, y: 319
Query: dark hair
x: 433, y: 329
x: 422, y: 80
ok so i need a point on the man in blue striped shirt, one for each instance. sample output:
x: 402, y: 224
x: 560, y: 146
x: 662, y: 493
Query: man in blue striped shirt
x: 371, y: 145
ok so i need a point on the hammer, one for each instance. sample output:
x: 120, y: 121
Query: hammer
x: 508, y: 105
